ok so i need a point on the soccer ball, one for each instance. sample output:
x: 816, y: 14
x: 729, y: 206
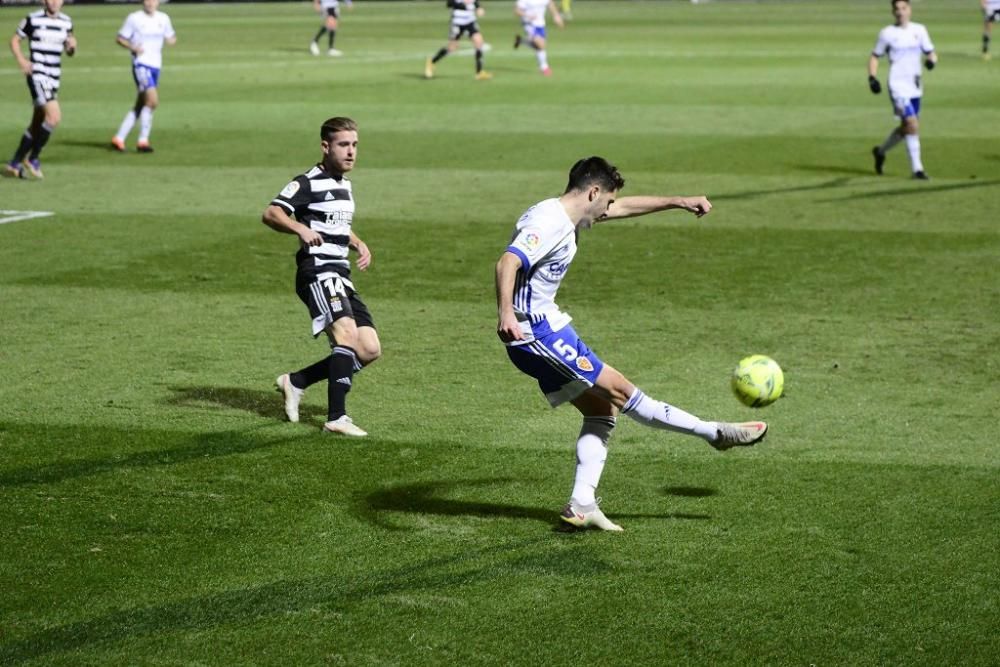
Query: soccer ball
x: 758, y: 381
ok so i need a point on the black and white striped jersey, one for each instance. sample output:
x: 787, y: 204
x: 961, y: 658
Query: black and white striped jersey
x: 46, y: 37
x: 463, y: 12
x: 326, y: 205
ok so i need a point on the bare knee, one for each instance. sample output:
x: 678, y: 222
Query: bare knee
x: 368, y: 347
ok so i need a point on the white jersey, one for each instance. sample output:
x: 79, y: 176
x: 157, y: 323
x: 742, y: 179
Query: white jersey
x: 904, y: 46
x: 992, y: 6
x: 149, y: 32
x: 545, y: 241
x: 533, y: 12
x: 329, y: 4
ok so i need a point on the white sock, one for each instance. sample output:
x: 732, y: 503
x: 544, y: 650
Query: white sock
x: 913, y: 148
x: 894, y: 138
x: 145, y: 123
x: 543, y: 59
x: 126, y: 125
x: 591, y: 453
x: 657, y: 414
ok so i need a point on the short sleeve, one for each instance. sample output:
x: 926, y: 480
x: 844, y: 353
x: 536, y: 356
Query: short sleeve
x: 531, y: 245
x: 127, y: 31
x: 24, y: 28
x: 881, y: 45
x: 294, y: 195
x: 925, y: 41
x: 169, y: 33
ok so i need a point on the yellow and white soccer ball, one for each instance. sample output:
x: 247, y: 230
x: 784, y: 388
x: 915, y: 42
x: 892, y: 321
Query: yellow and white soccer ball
x: 758, y: 381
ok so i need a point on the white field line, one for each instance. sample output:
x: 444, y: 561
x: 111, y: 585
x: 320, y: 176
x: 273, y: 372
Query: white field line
x: 14, y: 216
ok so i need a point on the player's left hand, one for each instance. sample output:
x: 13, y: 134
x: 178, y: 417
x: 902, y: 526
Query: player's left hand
x: 929, y: 64
x: 698, y: 205
x: 70, y: 45
x: 364, y: 259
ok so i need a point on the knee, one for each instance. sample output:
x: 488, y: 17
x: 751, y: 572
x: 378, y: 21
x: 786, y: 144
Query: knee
x: 911, y: 126
x: 368, y: 353
x: 600, y: 427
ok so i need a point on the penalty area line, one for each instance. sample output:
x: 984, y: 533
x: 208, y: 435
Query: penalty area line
x: 14, y: 216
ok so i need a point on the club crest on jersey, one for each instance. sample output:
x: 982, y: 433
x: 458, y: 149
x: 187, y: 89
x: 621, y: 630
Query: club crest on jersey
x: 290, y: 189
x: 583, y: 363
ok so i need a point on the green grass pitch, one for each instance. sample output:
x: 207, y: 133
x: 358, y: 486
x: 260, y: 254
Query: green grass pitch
x: 155, y: 509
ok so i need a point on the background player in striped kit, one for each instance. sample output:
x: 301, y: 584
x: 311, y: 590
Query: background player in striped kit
x: 322, y: 203
x: 463, y: 21
x: 330, y: 9
x: 904, y: 42
x: 49, y: 32
x: 143, y: 34
x: 542, y: 344
x: 991, y: 15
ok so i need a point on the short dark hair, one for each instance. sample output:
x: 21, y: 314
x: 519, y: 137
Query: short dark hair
x: 336, y: 124
x: 594, y: 171
x: 892, y: 3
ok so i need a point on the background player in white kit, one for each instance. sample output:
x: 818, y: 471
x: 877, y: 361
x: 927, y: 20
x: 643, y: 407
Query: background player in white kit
x: 904, y: 42
x: 991, y: 15
x: 143, y: 34
x: 542, y: 344
x: 330, y: 10
x: 532, y: 15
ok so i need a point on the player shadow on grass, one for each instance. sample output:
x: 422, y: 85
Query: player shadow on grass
x: 325, y: 594
x: 79, y: 143
x: 263, y: 403
x: 424, y: 498
x: 750, y: 194
x: 918, y: 188
x: 197, y: 448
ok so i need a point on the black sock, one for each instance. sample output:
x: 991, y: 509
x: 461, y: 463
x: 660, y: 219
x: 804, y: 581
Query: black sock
x: 44, y: 132
x: 986, y: 43
x: 22, y: 149
x: 319, y: 34
x: 341, y: 373
x: 330, y: 37
x: 439, y: 55
x: 310, y: 375
x: 479, y: 61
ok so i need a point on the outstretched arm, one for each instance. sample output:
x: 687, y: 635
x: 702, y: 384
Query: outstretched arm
x: 629, y: 207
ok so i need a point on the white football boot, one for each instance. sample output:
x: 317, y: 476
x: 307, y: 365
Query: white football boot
x: 583, y: 516
x: 745, y: 434
x: 314, y: 48
x: 292, y: 396
x: 344, y: 425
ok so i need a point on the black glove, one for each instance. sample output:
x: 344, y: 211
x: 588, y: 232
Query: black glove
x: 929, y: 64
x: 874, y: 85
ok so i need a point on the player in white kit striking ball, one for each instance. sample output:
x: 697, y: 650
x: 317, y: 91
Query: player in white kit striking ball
x: 542, y: 344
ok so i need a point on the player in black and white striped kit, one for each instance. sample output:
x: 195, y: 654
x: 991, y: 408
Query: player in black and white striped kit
x: 318, y: 207
x: 49, y: 32
x: 463, y: 21
x: 330, y: 11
